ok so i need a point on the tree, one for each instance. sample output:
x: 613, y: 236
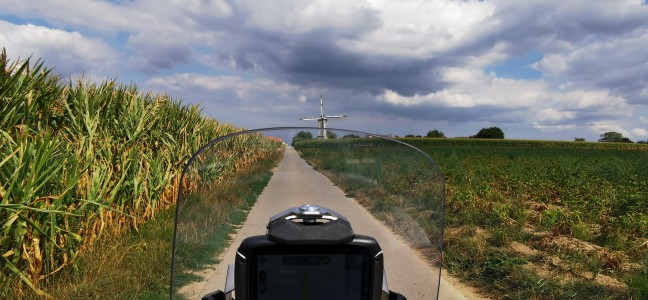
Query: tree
x: 579, y: 139
x: 302, y: 135
x: 351, y: 136
x: 409, y: 136
x: 330, y: 135
x: 614, y: 137
x: 642, y: 142
x: 435, y: 134
x: 490, y: 133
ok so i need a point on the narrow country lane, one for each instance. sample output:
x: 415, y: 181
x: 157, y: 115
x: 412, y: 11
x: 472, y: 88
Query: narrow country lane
x: 295, y: 183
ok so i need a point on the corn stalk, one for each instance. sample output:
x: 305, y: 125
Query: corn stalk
x: 80, y: 158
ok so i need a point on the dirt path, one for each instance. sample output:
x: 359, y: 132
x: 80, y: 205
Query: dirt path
x: 295, y: 183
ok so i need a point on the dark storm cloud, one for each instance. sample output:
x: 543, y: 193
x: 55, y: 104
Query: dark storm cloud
x: 316, y: 61
x: 453, y: 114
x: 314, y: 58
x: 320, y: 62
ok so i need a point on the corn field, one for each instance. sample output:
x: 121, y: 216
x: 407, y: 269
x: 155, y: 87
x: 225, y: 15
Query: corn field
x: 78, y: 159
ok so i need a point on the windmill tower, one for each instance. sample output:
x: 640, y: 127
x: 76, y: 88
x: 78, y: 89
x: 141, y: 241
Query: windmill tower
x: 322, y: 120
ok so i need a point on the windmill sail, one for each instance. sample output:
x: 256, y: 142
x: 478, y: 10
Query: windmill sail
x: 322, y: 119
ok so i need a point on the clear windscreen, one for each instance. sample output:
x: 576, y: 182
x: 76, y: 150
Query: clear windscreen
x: 386, y: 189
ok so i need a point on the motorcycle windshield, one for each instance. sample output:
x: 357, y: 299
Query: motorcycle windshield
x: 386, y: 189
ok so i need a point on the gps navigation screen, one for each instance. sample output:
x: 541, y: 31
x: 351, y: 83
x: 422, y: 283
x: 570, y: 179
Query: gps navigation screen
x: 313, y: 276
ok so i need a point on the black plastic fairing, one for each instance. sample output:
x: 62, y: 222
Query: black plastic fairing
x: 296, y: 233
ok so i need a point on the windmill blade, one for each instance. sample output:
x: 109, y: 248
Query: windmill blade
x: 323, y: 119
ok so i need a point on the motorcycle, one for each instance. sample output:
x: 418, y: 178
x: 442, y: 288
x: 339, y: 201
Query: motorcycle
x: 342, y: 215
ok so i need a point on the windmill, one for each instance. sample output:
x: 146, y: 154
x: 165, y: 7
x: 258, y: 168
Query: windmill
x: 322, y: 120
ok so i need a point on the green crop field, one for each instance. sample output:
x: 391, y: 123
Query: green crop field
x: 531, y: 219
x: 82, y: 160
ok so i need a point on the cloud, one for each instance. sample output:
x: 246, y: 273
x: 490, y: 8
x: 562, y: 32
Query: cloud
x: 341, y: 19
x: 159, y: 34
x: 71, y: 52
x: 475, y: 96
x: 368, y: 46
x: 250, y: 102
x: 413, y: 59
x: 572, y: 109
x: 422, y: 29
x: 468, y: 89
x: 639, y: 132
x: 623, y: 69
x: 127, y: 16
x: 258, y: 92
x: 550, y: 115
x: 600, y: 127
x: 157, y: 53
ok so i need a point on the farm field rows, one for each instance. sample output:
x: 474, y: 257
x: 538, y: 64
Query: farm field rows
x: 527, y: 219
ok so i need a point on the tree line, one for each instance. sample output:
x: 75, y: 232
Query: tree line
x: 484, y: 133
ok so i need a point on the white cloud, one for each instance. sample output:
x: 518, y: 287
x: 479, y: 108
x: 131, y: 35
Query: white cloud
x: 618, y: 64
x: 236, y: 85
x: 552, y: 64
x: 157, y: 31
x: 573, y: 109
x: 69, y: 52
x: 639, y: 132
x: 553, y: 115
x: 341, y: 17
x: 420, y: 28
x: 535, y: 101
x: 553, y: 128
x: 595, y: 99
x: 479, y: 60
x: 600, y: 127
x: 470, y: 88
x: 130, y: 16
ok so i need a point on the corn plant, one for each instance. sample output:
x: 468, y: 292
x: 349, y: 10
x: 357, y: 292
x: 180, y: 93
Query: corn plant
x: 79, y: 158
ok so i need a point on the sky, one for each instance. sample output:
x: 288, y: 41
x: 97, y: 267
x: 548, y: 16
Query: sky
x: 537, y: 69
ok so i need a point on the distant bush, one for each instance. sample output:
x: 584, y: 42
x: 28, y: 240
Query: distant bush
x: 435, y: 134
x: 490, y: 133
x: 301, y: 136
x: 614, y: 137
